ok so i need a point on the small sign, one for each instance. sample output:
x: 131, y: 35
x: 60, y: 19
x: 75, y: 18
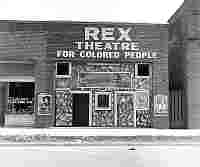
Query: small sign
x: 142, y: 100
x: 160, y: 104
x: 44, y: 101
x: 105, y: 79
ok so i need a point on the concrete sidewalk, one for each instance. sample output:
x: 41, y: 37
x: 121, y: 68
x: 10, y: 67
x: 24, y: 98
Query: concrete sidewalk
x: 97, y: 136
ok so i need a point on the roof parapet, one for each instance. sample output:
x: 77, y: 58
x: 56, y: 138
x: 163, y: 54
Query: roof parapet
x: 178, y: 13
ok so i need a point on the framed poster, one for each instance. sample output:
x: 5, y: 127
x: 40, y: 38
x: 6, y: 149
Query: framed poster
x: 44, y: 102
x: 142, y: 100
x: 160, y: 104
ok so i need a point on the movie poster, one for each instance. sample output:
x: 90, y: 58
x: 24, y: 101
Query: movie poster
x: 142, y: 100
x: 161, y: 104
x: 44, y: 104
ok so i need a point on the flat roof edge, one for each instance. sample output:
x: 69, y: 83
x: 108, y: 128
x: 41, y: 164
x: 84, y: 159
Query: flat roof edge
x: 81, y: 22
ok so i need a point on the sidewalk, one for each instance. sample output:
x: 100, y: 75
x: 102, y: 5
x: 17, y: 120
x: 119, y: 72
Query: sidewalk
x: 97, y: 136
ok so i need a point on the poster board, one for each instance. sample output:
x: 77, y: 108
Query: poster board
x: 105, y: 79
x: 44, y: 104
x: 160, y: 104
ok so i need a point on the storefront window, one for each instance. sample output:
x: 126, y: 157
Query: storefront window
x: 20, y: 105
x: 21, y: 96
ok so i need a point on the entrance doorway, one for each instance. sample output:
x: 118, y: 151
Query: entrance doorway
x: 80, y: 109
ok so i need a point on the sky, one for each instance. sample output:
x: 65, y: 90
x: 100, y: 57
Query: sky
x: 140, y: 11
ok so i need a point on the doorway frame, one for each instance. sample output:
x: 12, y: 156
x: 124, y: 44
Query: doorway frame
x: 90, y: 102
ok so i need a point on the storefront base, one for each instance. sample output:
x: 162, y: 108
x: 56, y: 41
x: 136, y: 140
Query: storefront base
x: 19, y: 120
x: 97, y: 136
x: 161, y: 122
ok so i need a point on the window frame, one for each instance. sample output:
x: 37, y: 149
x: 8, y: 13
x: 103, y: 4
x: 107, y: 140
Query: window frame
x: 142, y: 76
x: 70, y: 70
x: 96, y: 101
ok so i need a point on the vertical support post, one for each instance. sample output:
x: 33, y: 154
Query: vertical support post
x: 3, y: 102
x: 44, y: 83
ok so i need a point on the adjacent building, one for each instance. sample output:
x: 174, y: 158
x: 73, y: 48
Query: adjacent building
x: 184, y: 67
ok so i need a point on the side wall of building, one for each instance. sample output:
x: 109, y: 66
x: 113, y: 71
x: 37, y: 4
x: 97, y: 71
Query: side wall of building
x: 193, y: 62
x: 184, y: 62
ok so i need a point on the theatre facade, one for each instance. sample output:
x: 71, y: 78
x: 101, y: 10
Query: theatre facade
x: 66, y: 74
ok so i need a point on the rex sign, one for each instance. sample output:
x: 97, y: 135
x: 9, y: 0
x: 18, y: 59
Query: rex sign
x: 107, y: 34
x: 107, y: 43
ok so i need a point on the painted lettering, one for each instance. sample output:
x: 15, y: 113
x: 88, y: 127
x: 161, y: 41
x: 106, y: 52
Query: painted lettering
x: 91, y: 32
x: 107, y: 34
x: 124, y: 34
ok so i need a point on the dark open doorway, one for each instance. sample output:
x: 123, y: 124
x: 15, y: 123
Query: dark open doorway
x: 80, y: 109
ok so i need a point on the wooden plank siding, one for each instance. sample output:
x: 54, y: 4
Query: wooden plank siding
x: 35, y: 41
x: 22, y: 45
x: 177, y: 120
